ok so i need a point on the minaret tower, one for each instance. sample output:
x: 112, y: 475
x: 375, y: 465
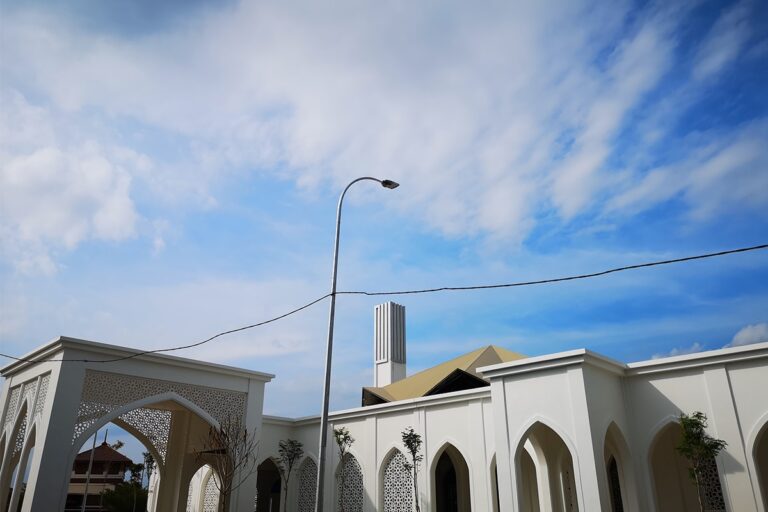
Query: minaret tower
x: 388, y: 343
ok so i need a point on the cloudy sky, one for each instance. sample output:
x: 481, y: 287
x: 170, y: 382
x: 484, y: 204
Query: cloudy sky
x: 170, y: 170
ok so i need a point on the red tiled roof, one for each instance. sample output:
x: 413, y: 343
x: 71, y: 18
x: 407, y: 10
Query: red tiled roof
x: 103, y: 453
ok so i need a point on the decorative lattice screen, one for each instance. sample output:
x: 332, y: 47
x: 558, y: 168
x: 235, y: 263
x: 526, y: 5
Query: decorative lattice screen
x: 211, y: 496
x: 351, y: 495
x: 398, y: 486
x: 712, y: 492
x: 307, y: 486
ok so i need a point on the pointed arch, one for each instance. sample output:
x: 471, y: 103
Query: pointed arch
x: 21, y: 474
x: 269, y: 486
x: 13, y: 448
x: 396, y: 483
x: 757, y: 444
x: 544, y: 453
x: 494, y: 479
x: 673, y: 488
x: 349, y: 484
x: 209, y: 496
x: 307, y: 484
x: 619, y: 469
x: 451, y: 489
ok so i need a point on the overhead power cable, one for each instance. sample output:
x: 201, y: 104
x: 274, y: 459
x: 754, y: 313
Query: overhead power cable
x: 558, y: 279
x: 181, y: 347
x: 402, y: 292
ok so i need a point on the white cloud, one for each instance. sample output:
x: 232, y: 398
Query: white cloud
x: 724, y: 41
x: 755, y: 333
x: 54, y: 196
x: 490, y: 116
x: 696, y: 347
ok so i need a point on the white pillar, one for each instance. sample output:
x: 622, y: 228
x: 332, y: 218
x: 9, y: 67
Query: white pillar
x: 389, y: 344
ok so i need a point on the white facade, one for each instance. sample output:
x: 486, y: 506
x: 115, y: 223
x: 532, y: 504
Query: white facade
x: 566, y: 431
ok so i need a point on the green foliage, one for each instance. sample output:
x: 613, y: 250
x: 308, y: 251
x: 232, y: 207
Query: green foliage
x: 149, y: 465
x: 344, y: 441
x: 412, y: 442
x: 117, y: 445
x: 698, y: 447
x: 136, y: 471
x: 126, y: 497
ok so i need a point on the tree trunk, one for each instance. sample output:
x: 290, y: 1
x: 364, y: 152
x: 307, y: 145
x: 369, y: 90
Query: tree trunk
x: 415, y: 489
x: 698, y: 490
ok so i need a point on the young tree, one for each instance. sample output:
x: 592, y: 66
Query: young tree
x: 230, y: 450
x: 412, y: 442
x: 343, y: 442
x: 699, y: 448
x: 136, y: 471
x: 291, y: 452
x: 149, y: 465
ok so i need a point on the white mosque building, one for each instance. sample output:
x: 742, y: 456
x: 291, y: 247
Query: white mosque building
x: 571, y: 431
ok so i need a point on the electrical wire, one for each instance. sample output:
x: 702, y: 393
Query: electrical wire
x: 402, y: 292
x: 182, y: 347
x: 558, y: 279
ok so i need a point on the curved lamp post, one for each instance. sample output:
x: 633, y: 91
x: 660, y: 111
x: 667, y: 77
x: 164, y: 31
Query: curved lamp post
x: 329, y: 346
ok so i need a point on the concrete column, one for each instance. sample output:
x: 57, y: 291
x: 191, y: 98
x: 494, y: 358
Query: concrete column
x: 49, y: 480
x: 724, y: 424
x: 504, y: 464
x: 587, y: 455
x: 242, y: 497
x: 173, y: 468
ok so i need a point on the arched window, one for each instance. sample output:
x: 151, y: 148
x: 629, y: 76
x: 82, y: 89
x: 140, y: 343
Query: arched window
x: 614, y: 485
x: 397, y: 485
x: 350, y: 496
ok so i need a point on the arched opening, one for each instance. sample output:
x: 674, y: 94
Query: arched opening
x: 203, y: 493
x: 396, y: 484
x: 530, y: 485
x: 112, y: 468
x: 307, y: 485
x: 268, y: 487
x: 349, y: 490
x: 21, y: 476
x: 494, y: 485
x: 618, y: 469
x: 545, y: 474
x: 9, y: 475
x: 675, y: 490
x: 761, y: 462
x: 451, y: 482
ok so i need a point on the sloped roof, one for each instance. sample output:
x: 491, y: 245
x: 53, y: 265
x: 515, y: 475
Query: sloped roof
x: 103, y: 453
x: 421, y: 383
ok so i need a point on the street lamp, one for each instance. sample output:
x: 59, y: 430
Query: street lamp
x: 329, y: 346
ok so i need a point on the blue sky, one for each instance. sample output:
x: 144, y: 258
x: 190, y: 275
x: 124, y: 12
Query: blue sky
x: 170, y: 171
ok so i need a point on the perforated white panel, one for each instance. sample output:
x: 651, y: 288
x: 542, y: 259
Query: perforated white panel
x: 13, y: 402
x: 104, y: 392
x: 307, y: 486
x: 211, y: 500
x: 398, y: 485
x: 42, y: 394
x: 155, y: 424
x: 350, y: 498
x: 712, y: 491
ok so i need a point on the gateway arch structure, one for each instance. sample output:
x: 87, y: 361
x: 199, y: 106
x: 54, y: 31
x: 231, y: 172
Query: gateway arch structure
x: 51, y: 407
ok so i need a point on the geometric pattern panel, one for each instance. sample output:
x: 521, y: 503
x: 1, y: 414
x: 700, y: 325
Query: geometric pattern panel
x: 30, y: 389
x: 398, y: 492
x: 712, y: 492
x: 307, y: 486
x: 351, y: 496
x: 104, y: 392
x: 154, y: 424
x: 13, y: 402
x: 211, y: 496
x: 19, y: 443
x: 42, y: 394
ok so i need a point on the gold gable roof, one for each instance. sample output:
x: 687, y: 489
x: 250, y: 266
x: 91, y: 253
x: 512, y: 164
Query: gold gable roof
x: 421, y: 383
